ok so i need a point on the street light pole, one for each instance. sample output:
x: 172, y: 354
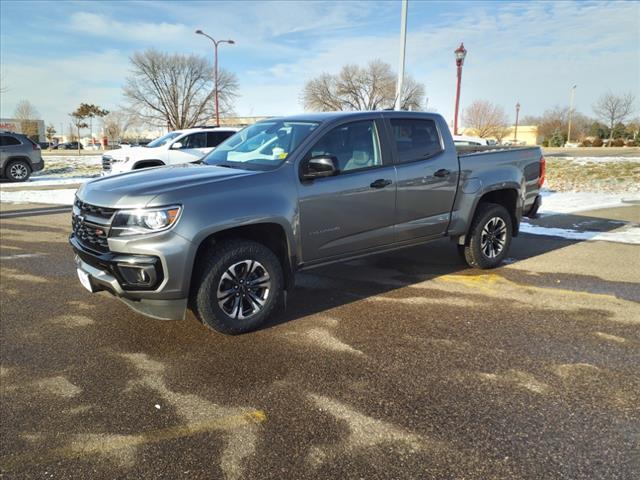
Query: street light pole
x: 515, y: 132
x: 215, y: 69
x: 460, y: 53
x: 571, y: 97
x: 403, y: 47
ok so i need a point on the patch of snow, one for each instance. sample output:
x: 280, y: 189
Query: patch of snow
x: 554, y: 203
x: 57, y: 197
x: 629, y: 235
x: 47, y: 181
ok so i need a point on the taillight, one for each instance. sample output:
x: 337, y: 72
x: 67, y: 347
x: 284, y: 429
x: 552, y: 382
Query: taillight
x: 543, y: 171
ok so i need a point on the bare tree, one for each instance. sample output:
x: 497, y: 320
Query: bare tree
x: 50, y: 132
x: 556, y: 120
x: 361, y: 88
x: 614, y: 109
x: 176, y: 90
x: 116, y: 124
x: 27, y: 115
x: 486, y: 119
x: 78, y: 119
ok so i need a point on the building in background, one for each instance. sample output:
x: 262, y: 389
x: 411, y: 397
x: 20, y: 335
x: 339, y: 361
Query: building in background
x: 34, y: 129
x: 527, y: 135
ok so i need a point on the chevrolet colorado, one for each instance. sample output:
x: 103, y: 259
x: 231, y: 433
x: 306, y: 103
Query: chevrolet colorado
x: 225, y: 236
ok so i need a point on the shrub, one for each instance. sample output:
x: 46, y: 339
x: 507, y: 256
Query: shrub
x: 586, y: 143
x: 545, y: 143
x: 632, y: 143
x: 557, y: 140
x: 598, y: 142
x: 618, y: 142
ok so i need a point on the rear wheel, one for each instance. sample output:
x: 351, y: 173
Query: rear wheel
x: 240, y: 286
x: 18, y: 171
x: 489, y: 237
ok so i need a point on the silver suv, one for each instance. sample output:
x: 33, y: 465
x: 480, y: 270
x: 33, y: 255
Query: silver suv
x: 19, y: 157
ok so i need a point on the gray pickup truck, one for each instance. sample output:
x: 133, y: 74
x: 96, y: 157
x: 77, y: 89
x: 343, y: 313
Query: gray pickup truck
x: 225, y: 237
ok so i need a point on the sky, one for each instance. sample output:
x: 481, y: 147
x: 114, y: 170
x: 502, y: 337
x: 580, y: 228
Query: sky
x: 59, y: 54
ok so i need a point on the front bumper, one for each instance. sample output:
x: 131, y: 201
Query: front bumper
x: 150, y: 281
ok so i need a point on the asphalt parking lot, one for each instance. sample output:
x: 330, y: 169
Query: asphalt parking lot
x: 404, y: 365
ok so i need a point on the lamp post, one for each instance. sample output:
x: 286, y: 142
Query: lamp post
x: 515, y: 132
x: 460, y: 53
x: 572, y: 95
x: 215, y: 69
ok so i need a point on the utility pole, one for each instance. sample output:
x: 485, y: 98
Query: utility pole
x: 515, y: 132
x: 571, y: 97
x: 403, y: 47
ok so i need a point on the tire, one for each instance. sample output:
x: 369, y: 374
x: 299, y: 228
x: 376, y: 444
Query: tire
x: 222, y: 294
x: 489, y: 237
x: 18, y: 171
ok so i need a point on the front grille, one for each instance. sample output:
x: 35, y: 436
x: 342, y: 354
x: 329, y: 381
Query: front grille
x: 90, y: 224
x: 106, y: 162
x: 93, y: 210
x: 91, y: 236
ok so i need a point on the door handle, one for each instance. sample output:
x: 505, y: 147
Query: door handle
x: 380, y: 183
x: 443, y: 172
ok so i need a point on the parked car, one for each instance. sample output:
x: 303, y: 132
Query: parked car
x: 44, y: 145
x: 180, y: 146
x: 70, y: 146
x: 225, y: 237
x: 19, y: 157
x: 466, y: 141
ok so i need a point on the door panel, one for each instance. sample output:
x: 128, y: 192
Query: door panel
x: 427, y: 179
x: 344, y: 214
x: 354, y: 210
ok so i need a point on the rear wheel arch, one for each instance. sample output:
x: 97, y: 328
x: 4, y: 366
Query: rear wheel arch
x: 508, y: 198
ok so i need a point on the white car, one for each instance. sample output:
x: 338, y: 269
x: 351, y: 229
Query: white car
x: 180, y: 146
x: 465, y: 141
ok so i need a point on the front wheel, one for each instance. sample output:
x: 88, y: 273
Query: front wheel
x: 489, y: 237
x: 240, y: 286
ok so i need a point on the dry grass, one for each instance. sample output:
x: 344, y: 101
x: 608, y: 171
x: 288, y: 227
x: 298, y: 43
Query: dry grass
x: 566, y: 175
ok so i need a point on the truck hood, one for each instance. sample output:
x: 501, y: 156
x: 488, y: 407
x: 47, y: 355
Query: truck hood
x: 137, y: 188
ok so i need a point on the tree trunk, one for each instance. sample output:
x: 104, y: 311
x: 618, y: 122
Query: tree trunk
x: 78, y: 141
x: 610, y: 136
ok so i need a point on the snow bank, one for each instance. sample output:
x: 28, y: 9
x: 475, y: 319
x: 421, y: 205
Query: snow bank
x: 626, y: 235
x: 57, y: 197
x: 554, y: 203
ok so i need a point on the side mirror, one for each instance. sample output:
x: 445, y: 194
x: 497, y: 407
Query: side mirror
x: 176, y: 146
x: 320, y: 167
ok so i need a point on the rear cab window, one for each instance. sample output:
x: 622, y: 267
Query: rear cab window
x: 415, y: 139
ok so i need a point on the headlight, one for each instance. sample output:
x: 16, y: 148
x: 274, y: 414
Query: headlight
x: 145, y: 220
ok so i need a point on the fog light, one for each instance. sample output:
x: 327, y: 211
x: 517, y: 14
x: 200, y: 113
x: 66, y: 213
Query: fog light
x: 139, y: 276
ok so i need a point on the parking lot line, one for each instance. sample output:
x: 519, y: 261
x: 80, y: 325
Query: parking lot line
x: 84, y: 449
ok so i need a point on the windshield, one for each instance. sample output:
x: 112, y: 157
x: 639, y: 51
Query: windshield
x: 158, y: 142
x: 263, y: 145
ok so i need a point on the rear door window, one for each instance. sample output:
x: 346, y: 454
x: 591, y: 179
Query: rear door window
x: 216, y: 138
x: 195, y: 140
x: 415, y: 139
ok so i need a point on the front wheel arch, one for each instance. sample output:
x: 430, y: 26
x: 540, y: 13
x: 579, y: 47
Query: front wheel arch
x: 147, y: 164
